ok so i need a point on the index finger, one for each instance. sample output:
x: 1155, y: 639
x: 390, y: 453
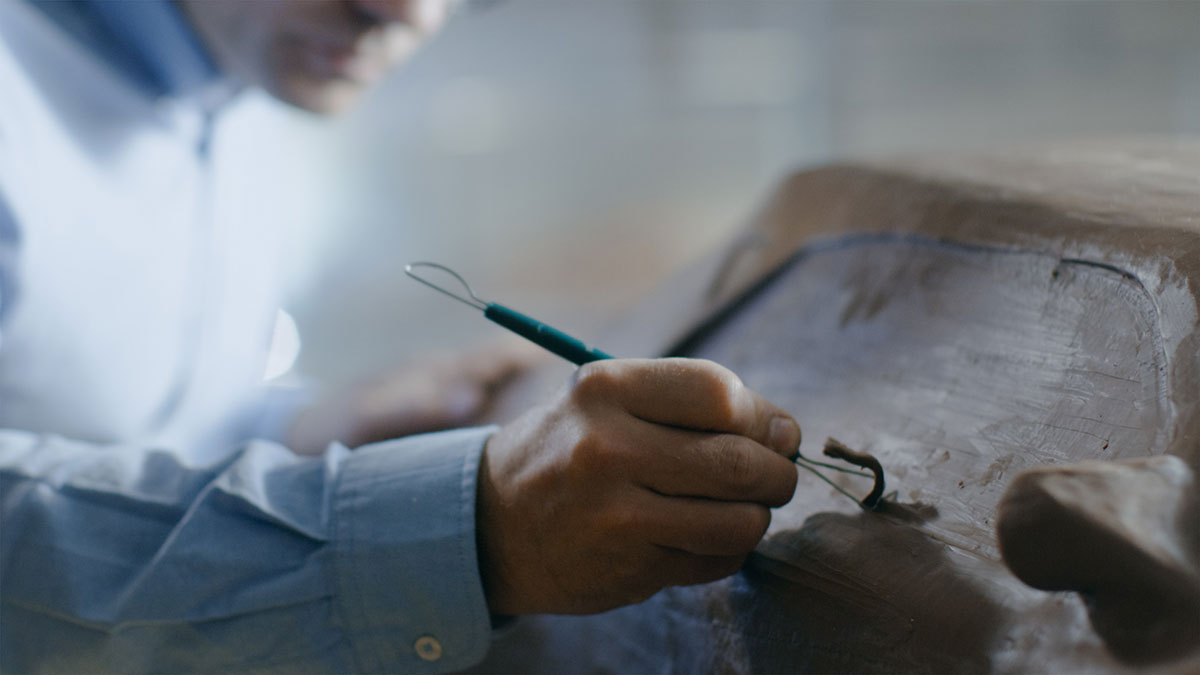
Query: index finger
x: 693, y: 394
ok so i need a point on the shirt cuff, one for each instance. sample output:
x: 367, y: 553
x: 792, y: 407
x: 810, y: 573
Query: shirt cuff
x: 409, y: 593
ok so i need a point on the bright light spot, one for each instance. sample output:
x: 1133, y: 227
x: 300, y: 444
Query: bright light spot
x: 285, y: 346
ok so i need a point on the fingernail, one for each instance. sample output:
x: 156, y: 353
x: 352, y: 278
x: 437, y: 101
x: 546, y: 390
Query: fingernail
x: 784, y: 435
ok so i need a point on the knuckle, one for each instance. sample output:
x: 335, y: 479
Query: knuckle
x: 752, y: 528
x: 593, y: 381
x: 722, y: 389
x: 734, y: 463
x: 621, y: 522
x: 594, y: 455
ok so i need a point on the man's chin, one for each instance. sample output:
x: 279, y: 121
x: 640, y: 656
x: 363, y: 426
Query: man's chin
x: 323, y: 97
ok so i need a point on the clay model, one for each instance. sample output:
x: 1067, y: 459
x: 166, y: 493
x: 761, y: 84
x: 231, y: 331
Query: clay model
x: 1014, y: 336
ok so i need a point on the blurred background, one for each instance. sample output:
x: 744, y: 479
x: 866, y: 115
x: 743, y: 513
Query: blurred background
x: 567, y: 155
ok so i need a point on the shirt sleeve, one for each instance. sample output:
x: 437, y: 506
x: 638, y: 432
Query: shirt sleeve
x: 116, y: 558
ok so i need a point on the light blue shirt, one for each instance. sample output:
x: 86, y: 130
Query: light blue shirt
x: 133, y: 536
x: 123, y: 559
x: 149, y: 41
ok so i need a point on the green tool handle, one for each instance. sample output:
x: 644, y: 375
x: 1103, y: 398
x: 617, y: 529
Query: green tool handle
x: 539, y: 333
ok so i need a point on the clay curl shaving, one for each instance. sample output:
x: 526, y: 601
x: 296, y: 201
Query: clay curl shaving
x: 835, y: 449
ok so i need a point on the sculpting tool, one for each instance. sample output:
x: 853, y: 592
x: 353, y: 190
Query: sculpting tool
x: 579, y: 353
x: 527, y: 327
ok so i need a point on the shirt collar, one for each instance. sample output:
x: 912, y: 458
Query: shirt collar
x: 160, y: 38
x: 149, y: 41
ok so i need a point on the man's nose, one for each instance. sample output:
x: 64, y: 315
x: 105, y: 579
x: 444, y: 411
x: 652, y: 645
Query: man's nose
x: 419, y: 14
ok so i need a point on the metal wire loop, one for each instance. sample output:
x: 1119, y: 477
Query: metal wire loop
x: 470, y: 299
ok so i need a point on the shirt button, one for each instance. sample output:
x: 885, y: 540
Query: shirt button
x: 428, y: 648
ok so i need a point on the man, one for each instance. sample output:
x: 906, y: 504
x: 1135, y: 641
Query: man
x: 153, y: 519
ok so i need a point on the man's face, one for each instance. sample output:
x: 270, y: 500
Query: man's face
x: 316, y: 54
